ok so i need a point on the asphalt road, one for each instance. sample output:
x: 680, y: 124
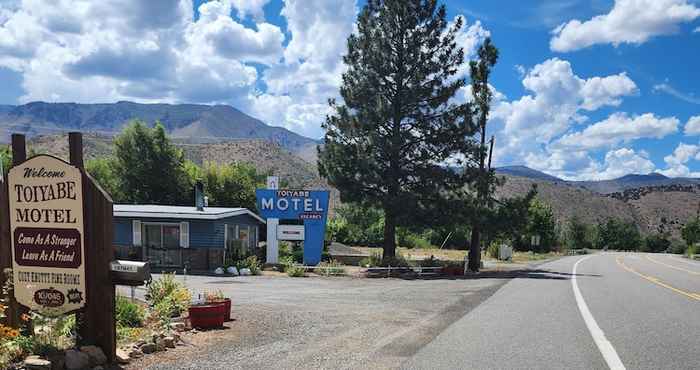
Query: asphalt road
x: 633, y: 311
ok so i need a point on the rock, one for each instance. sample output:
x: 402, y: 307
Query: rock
x: 169, y: 342
x: 245, y: 272
x: 135, y: 353
x: 219, y: 271
x: 123, y: 357
x: 177, y: 326
x: 36, y: 363
x: 232, y: 270
x: 97, y: 356
x: 76, y: 360
x: 148, y: 348
x: 58, y: 361
x: 160, y: 344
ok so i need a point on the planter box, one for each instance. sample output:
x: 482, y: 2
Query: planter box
x: 227, y: 308
x: 207, y: 316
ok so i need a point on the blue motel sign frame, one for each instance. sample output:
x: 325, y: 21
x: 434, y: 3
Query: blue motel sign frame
x: 309, y: 206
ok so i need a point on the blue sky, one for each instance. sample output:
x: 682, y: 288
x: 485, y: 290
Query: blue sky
x: 586, y: 89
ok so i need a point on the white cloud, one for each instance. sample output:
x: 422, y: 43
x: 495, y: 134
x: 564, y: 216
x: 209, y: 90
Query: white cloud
x: 253, y: 8
x: 616, y: 129
x: 670, y: 90
x: 558, y: 100
x: 629, y: 21
x: 676, y: 162
x: 624, y: 161
x: 692, y: 128
x: 697, y: 30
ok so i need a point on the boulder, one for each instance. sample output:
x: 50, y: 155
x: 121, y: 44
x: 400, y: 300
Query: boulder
x: 245, y: 272
x: 169, y: 342
x: 232, y: 270
x: 123, y: 356
x: 148, y: 348
x: 135, y: 353
x: 160, y: 344
x: 36, y: 363
x: 97, y: 356
x: 177, y: 326
x: 76, y: 360
x: 219, y: 271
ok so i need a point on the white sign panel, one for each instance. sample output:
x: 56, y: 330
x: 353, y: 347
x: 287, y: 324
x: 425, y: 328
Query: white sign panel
x: 47, y: 233
x: 290, y: 232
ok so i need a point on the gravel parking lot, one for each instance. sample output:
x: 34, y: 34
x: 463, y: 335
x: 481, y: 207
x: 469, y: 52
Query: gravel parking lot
x: 324, y: 322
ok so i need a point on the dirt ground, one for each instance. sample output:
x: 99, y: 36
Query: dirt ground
x: 323, y: 322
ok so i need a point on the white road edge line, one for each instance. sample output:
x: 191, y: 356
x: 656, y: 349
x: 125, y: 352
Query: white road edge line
x: 604, y: 345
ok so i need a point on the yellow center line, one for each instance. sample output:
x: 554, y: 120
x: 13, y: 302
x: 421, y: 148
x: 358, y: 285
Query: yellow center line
x: 656, y: 281
x: 673, y: 267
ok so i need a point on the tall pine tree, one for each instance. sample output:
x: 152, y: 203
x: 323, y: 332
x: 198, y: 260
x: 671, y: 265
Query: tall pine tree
x: 388, y: 141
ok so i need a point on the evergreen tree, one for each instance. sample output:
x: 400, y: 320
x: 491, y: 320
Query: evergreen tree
x: 480, y: 70
x: 388, y: 141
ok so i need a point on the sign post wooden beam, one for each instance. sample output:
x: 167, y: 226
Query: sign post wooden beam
x: 96, y: 323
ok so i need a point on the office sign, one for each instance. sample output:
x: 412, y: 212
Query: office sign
x: 47, y: 235
x: 310, y: 206
x: 290, y: 232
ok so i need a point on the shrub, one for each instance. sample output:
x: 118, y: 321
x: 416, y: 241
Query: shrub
x: 492, y: 250
x: 295, y: 271
x: 677, y: 246
x: 407, y: 239
x: 430, y: 262
x: 656, y: 243
x: 692, y: 250
x: 167, y: 292
x: 374, y: 260
x: 252, y: 263
x: 331, y: 268
x: 129, y: 314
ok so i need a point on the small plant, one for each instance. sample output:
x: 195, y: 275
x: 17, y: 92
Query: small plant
x: 492, y: 250
x: 167, y: 292
x: 217, y: 296
x: 374, y: 260
x: 129, y: 314
x: 295, y: 271
x: 331, y: 268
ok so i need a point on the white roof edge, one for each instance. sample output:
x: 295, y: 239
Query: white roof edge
x: 183, y: 215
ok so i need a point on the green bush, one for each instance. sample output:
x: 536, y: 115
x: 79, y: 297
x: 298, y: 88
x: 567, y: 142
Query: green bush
x: 430, y: 262
x: 295, y: 271
x: 129, y: 314
x: 692, y: 250
x: 677, y: 246
x: 492, y: 250
x: 331, y: 268
x: 252, y: 263
x: 656, y: 243
x: 408, y: 239
x: 374, y: 260
x: 168, y: 293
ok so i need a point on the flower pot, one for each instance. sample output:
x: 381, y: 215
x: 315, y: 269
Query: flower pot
x: 227, y: 308
x: 207, y: 316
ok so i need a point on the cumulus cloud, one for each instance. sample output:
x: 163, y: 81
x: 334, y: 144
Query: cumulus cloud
x: 692, y: 128
x: 253, y: 8
x: 619, y: 128
x: 624, y: 161
x: 558, y: 100
x: 629, y: 21
x: 676, y: 162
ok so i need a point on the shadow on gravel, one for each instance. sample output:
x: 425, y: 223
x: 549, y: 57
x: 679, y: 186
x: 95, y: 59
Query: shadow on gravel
x: 512, y: 274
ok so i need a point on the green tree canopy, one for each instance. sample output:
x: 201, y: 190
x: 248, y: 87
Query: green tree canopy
x: 150, y: 168
x: 616, y: 234
x: 578, y: 234
x: 691, y: 231
x: 231, y: 185
x: 541, y: 222
x: 388, y: 140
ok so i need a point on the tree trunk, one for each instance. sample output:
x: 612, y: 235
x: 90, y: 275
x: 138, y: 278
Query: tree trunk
x: 389, y: 235
x: 475, y: 250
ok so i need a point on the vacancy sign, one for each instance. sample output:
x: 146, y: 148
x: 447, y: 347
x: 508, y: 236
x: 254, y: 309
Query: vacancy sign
x: 47, y: 232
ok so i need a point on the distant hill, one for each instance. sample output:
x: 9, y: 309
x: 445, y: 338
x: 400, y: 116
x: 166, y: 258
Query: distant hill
x: 527, y: 172
x: 190, y: 122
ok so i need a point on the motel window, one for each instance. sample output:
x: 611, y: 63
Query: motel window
x: 240, y: 240
x: 163, y: 243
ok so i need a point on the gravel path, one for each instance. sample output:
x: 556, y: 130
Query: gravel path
x: 324, y: 323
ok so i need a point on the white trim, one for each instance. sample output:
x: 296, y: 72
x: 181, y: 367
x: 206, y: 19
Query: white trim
x: 186, y: 214
x: 137, y: 238
x: 184, y: 234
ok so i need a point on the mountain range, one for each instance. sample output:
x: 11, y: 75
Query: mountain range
x: 224, y: 134
x: 184, y: 122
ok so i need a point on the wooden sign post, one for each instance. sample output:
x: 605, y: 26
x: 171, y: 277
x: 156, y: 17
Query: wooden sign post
x: 57, y: 228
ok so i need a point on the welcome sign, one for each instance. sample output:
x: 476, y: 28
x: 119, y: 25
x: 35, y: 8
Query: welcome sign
x: 47, y: 233
x: 311, y: 206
